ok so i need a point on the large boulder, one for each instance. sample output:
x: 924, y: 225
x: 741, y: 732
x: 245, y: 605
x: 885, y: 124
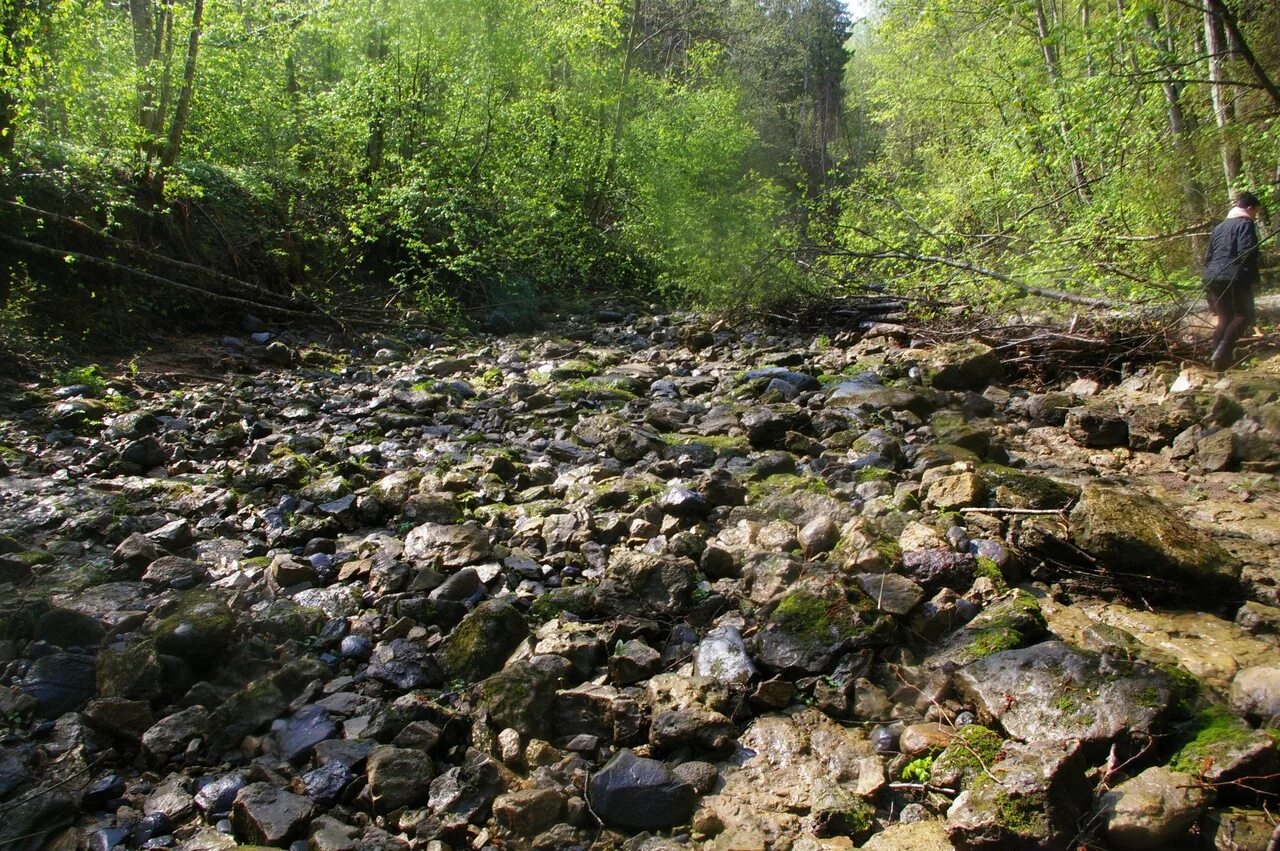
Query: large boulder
x: 633, y: 794
x: 806, y: 775
x: 1132, y: 534
x: 1049, y: 692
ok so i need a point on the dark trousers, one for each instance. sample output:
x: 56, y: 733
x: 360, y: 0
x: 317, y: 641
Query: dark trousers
x: 1232, y: 303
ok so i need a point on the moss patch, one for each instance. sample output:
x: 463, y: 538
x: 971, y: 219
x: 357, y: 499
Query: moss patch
x: 815, y: 620
x: 785, y: 483
x: 1212, y: 729
x: 723, y: 444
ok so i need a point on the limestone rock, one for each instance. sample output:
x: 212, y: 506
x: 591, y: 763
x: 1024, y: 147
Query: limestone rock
x: 1153, y: 809
x: 1133, y: 533
x: 447, y: 546
x: 1049, y: 692
x: 1255, y: 691
x: 1035, y: 796
x: 806, y: 774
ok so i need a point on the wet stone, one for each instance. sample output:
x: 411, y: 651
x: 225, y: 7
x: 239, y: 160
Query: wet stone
x: 309, y: 726
x: 60, y: 682
x: 265, y: 815
x: 217, y: 796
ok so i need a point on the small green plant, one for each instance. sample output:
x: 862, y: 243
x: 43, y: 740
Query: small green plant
x: 919, y: 769
x: 90, y: 376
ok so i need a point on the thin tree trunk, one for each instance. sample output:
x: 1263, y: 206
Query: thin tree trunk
x: 1192, y: 192
x: 179, y: 124
x: 9, y: 28
x: 619, y: 110
x: 1050, y: 52
x: 1241, y: 46
x: 1223, y: 107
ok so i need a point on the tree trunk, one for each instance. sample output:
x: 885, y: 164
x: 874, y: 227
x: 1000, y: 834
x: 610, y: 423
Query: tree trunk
x: 1050, y: 52
x: 1223, y: 107
x: 1193, y: 196
x: 179, y: 124
x: 1239, y: 45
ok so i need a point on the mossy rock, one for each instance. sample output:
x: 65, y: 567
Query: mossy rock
x: 1016, y: 489
x: 951, y: 427
x: 572, y: 369
x: 519, y: 697
x: 199, y: 631
x: 285, y: 619
x: 1137, y: 538
x: 972, y: 753
x: 1013, y: 621
x: 724, y: 445
x: 131, y: 674
x: 1220, y: 747
x: 577, y: 600
x: 481, y: 644
x: 18, y: 617
x: 807, y: 631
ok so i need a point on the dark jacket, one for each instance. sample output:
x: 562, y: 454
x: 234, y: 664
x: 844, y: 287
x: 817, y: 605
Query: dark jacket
x: 1233, y: 253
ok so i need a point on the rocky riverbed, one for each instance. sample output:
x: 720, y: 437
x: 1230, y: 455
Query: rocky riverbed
x: 644, y: 582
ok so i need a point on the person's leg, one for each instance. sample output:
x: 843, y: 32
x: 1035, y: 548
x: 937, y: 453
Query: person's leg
x: 1221, y: 310
x: 1237, y: 306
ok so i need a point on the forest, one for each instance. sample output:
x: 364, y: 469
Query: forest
x: 477, y: 161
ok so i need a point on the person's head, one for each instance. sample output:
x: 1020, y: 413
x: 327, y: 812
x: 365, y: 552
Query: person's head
x: 1248, y: 202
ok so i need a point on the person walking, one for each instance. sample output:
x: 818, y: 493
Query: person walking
x: 1230, y: 275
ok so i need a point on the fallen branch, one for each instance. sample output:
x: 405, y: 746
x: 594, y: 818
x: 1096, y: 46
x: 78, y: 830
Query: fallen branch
x: 998, y: 510
x: 45, y: 250
x: 1021, y: 286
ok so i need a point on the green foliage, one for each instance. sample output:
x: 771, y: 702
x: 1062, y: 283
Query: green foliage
x: 919, y: 769
x: 1051, y: 144
x: 90, y: 376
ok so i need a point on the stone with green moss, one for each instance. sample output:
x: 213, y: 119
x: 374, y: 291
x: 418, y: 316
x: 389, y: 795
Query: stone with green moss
x: 1139, y: 538
x: 519, y: 697
x: 1031, y: 796
x: 1011, y: 622
x: 572, y: 369
x: 1051, y: 692
x: 954, y: 429
x: 807, y: 631
x: 133, y: 673
x: 1012, y: 488
x: 973, y: 752
x: 481, y: 644
x: 1220, y: 747
x: 839, y: 812
x: 199, y: 631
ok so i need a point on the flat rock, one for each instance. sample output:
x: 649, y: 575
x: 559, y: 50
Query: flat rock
x: 1153, y: 809
x: 447, y: 546
x: 1131, y: 532
x: 805, y: 774
x: 1049, y: 692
